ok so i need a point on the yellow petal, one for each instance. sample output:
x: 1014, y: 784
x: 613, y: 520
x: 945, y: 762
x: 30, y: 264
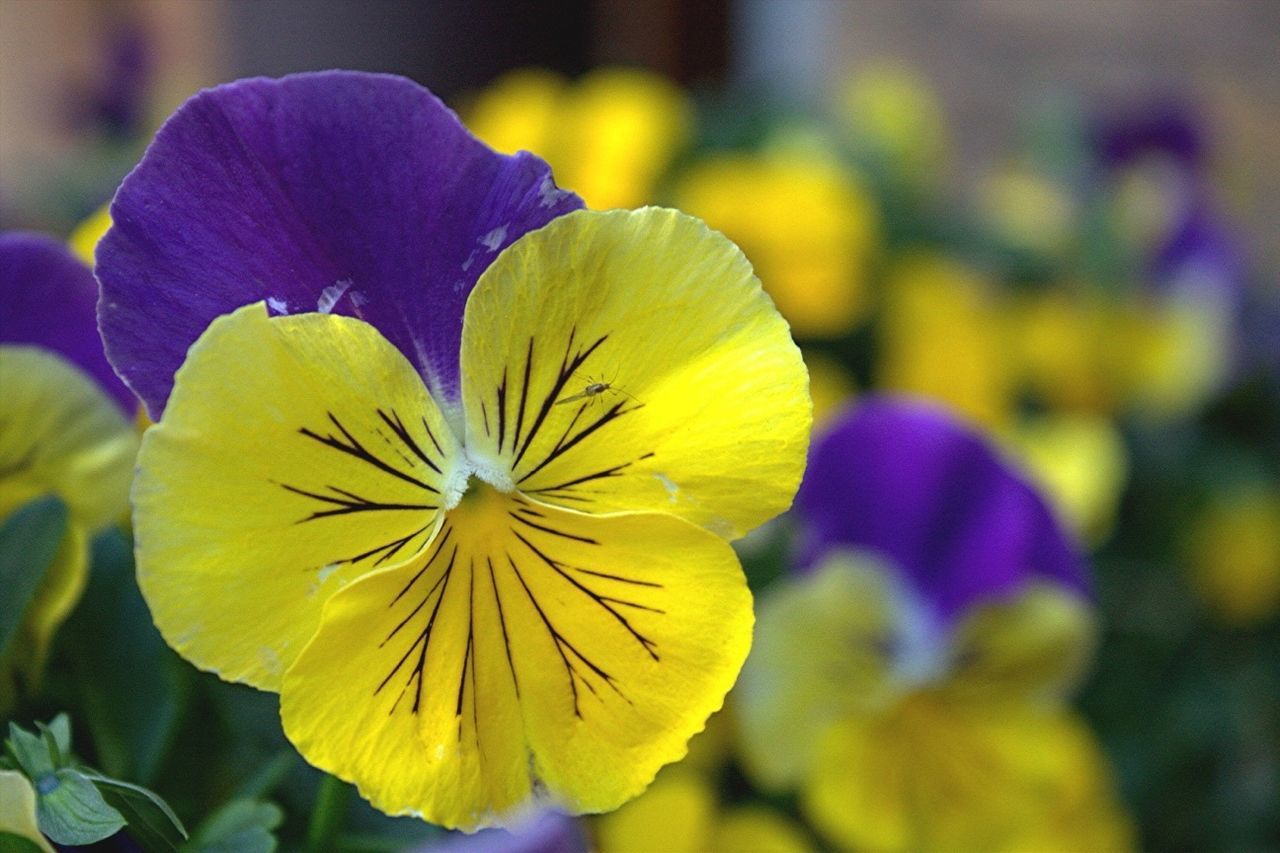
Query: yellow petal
x: 806, y: 224
x: 1081, y: 462
x: 943, y: 337
x: 1035, y: 646
x: 23, y: 663
x: 533, y: 655
x: 295, y: 454
x: 619, y: 129
x: 935, y: 773
x: 676, y: 815
x: 819, y: 656
x: 518, y: 112
x: 629, y: 361
x: 60, y: 433
x: 18, y: 809
x: 758, y: 830
x: 84, y: 239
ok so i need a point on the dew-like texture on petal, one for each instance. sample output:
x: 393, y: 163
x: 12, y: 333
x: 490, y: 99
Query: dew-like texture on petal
x: 296, y: 454
x: 532, y: 656
x: 820, y: 654
x: 49, y: 301
x: 342, y: 191
x: 629, y: 361
x: 60, y: 434
x: 907, y: 480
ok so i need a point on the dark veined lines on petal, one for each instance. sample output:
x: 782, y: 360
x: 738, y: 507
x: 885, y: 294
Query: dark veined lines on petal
x: 513, y: 438
x: 411, y: 465
x: 581, y: 671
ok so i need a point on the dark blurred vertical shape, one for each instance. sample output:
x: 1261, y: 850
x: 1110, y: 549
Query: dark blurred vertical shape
x: 449, y: 45
x: 687, y: 40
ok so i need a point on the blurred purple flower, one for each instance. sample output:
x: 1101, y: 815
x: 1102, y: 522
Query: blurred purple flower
x: 224, y: 210
x: 544, y: 832
x: 907, y: 481
x: 49, y: 301
x: 1168, y: 127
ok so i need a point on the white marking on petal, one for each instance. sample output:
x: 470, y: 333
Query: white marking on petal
x: 278, y: 304
x: 330, y: 295
x: 673, y: 490
x: 548, y: 193
x: 359, y: 299
x: 471, y: 259
x: 494, y: 238
x: 325, y: 571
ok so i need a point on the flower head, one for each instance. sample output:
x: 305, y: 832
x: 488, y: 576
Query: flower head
x: 63, y: 432
x: 460, y: 495
x: 908, y: 681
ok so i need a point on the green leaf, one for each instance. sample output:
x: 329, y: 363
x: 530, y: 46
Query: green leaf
x: 151, y: 822
x: 241, y: 826
x: 31, y: 752
x: 29, y: 540
x: 70, y: 809
x: 60, y: 729
x: 133, y: 689
x: 10, y: 843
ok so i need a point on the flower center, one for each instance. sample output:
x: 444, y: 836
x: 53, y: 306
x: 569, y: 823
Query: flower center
x: 474, y: 472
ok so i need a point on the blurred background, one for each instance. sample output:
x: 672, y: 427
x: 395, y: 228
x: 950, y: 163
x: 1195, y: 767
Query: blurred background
x: 1059, y: 219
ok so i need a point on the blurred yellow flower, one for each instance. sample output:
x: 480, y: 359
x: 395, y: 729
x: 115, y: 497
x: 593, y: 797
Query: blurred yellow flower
x: 84, y: 239
x: 806, y: 224
x: 1176, y: 352
x: 680, y: 814
x: 944, y: 336
x: 611, y: 135
x: 1029, y: 210
x: 892, y: 113
x: 1081, y: 463
x: 898, y: 741
x: 830, y: 385
x: 1234, y: 552
x: 1063, y: 348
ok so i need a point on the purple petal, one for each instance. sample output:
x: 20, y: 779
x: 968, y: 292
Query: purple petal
x: 907, y: 480
x: 544, y: 832
x: 49, y: 298
x: 345, y: 191
x: 1169, y: 127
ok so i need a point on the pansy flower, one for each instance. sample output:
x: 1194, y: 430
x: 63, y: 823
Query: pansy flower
x: 449, y: 466
x: 63, y: 432
x: 909, y: 680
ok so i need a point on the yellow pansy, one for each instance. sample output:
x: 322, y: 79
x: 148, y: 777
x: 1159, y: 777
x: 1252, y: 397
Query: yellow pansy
x: 902, y: 731
x: 611, y: 135
x: 1234, y: 553
x: 830, y: 384
x: 522, y: 595
x: 804, y: 221
x: 1081, y: 463
x: 84, y: 239
x: 944, y: 336
x: 59, y: 434
x: 680, y: 814
x: 891, y: 112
